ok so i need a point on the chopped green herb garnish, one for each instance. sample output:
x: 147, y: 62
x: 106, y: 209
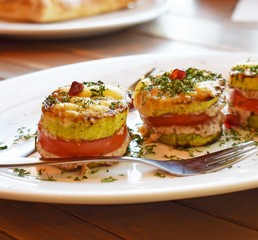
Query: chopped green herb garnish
x: 21, y: 172
x: 197, y: 150
x: 172, y: 157
x: 96, y: 91
x: 245, y: 69
x: 49, y: 102
x: 108, y: 180
x: 159, y: 174
x: 94, y: 170
x: 114, y: 105
x: 149, y: 149
x: 172, y: 87
x: 41, y: 170
x: 190, y: 151
x: 3, y: 147
x: 89, y: 84
x: 50, y: 178
x: 24, y: 134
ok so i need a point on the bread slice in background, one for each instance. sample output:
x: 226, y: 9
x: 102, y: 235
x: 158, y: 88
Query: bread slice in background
x: 42, y: 11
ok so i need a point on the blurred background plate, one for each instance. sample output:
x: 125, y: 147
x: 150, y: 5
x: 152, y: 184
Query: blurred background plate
x: 144, y: 11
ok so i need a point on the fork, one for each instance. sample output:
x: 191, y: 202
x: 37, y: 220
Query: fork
x: 198, y: 165
x: 133, y: 85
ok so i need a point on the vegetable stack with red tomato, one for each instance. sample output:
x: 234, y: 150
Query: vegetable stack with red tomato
x: 243, y: 102
x: 181, y: 107
x: 84, y: 119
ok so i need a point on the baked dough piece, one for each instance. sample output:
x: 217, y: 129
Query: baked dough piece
x: 57, y: 10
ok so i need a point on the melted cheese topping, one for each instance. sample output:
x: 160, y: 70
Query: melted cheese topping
x: 207, y: 88
x: 93, y: 102
x: 249, y: 69
x: 196, y: 85
x: 195, y: 92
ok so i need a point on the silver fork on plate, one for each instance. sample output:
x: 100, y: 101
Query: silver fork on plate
x: 198, y: 165
x: 133, y: 85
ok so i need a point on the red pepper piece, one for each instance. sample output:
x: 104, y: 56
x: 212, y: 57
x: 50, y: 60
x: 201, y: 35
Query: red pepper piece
x: 231, y: 121
x: 75, y: 88
x: 177, y: 74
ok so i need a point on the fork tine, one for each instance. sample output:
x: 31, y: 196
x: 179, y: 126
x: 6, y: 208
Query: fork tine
x: 132, y: 87
x: 215, y: 155
x: 230, y: 159
x: 231, y: 154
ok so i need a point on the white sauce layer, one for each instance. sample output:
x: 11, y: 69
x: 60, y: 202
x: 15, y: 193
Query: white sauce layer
x: 210, y: 128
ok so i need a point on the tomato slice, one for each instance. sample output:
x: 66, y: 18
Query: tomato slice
x: 232, y: 121
x: 179, y: 120
x: 239, y: 100
x: 64, y: 148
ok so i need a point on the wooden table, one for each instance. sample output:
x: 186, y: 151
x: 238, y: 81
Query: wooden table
x: 192, y: 26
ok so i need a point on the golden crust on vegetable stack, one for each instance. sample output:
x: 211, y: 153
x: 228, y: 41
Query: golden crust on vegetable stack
x: 84, y: 119
x: 181, y: 107
x: 243, y: 102
x: 57, y: 10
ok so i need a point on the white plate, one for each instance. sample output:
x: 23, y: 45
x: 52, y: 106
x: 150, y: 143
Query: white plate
x: 21, y: 99
x: 144, y: 11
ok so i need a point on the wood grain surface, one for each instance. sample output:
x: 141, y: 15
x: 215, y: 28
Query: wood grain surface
x: 190, y: 26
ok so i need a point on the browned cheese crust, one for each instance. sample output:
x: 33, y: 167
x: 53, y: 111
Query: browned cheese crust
x: 57, y: 10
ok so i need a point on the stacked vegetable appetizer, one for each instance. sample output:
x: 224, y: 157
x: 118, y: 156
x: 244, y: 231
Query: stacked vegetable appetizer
x: 181, y: 107
x: 178, y: 107
x: 243, y: 101
x: 84, y: 119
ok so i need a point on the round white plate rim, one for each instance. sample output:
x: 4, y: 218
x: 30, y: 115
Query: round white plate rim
x: 87, y: 26
x: 150, y: 191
